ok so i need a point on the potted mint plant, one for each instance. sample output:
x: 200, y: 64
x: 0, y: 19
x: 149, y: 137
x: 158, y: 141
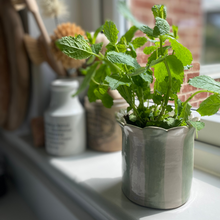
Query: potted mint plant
x: 158, y: 139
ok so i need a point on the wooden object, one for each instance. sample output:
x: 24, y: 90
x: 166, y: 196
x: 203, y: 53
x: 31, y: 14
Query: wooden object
x: 38, y: 134
x: 55, y: 65
x: 19, y: 72
x: 33, y: 48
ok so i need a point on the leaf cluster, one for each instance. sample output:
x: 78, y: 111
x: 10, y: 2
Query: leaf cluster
x: 118, y: 69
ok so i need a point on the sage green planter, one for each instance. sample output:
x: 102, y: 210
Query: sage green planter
x: 157, y: 165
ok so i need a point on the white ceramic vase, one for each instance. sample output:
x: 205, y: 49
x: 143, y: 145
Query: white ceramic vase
x: 65, y: 130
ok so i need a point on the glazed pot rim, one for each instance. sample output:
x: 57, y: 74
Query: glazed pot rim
x: 150, y: 127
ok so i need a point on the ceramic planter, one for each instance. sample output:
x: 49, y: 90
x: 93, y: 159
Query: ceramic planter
x: 103, y: 131
x: 65, y: 129
x: 157, y: 165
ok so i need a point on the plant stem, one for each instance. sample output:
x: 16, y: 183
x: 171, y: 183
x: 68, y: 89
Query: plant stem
x: 132, y: 104
x: 155, y: 110
x: 194, y: 95
x: 116, y: 48
x: 126, y: 68
x: 157, y: 53
x: 161, y: 47
x: 142, y: 98
x: 170, y: 83
x: 168, y: 90
x: 99, y: 83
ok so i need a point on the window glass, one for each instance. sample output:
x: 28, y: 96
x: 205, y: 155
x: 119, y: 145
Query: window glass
x: 211, y: 47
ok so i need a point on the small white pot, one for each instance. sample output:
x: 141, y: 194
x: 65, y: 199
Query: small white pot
x: 65, y: 120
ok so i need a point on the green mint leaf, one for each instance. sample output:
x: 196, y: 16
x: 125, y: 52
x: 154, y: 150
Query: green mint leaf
x: 165, y: 50
x: 176, y: 86
x: 132, y: 117
x: 115, y: 80
x: 138, y: 71
x: 121, y: 58
x: 175, y: 31
x: 156, y: 31
x: 88, y: 77
x: 85, y: 70
x: 96, y: 47
x: 156, y: 11
x: 209, y: 106
x: 187, y: 67
x: 132, y: 51
x: 99, y: 76
x: 175, y: 66
x: 139, y: 42
x: 74, y: 47
x: 159, y: 60
x: 101, y: 73
x: 162, y: 27
x: 139, y: 82
x: 198, y: 125
x: 172, y: 122
x: 181, y: 52
x: 157, y: 99
x: 186, y: 112
x: 160, y: 72
x: 110, y: 47
x: 89, y: 36
x: 115, y: 68
x: 149, y: 50
x: 129, y: 109
x: 163, y: 12
x: 96, y: 33
x: 126, y: 93
x: 178, y: 106
x: 162, y: 86
x: 205, y: 82
x: 106, y: 99
x: 129, y: 34
x: 146, y: 30
x: 103, y: 89
x: 169, y: 108
x: 123, y: 41
x: 159, y: 11
x: 152, y: 57
x: 91, y: 95
x: 110, y: 31
x: 153, y: 41
x: 121, y: 48
x: 147, y: 76
x: 90, y: 60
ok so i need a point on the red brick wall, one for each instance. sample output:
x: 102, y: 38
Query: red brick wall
x: 187, y: 15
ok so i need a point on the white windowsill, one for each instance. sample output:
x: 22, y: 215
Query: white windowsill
x: 93, y: 180
x: 211, y: 70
